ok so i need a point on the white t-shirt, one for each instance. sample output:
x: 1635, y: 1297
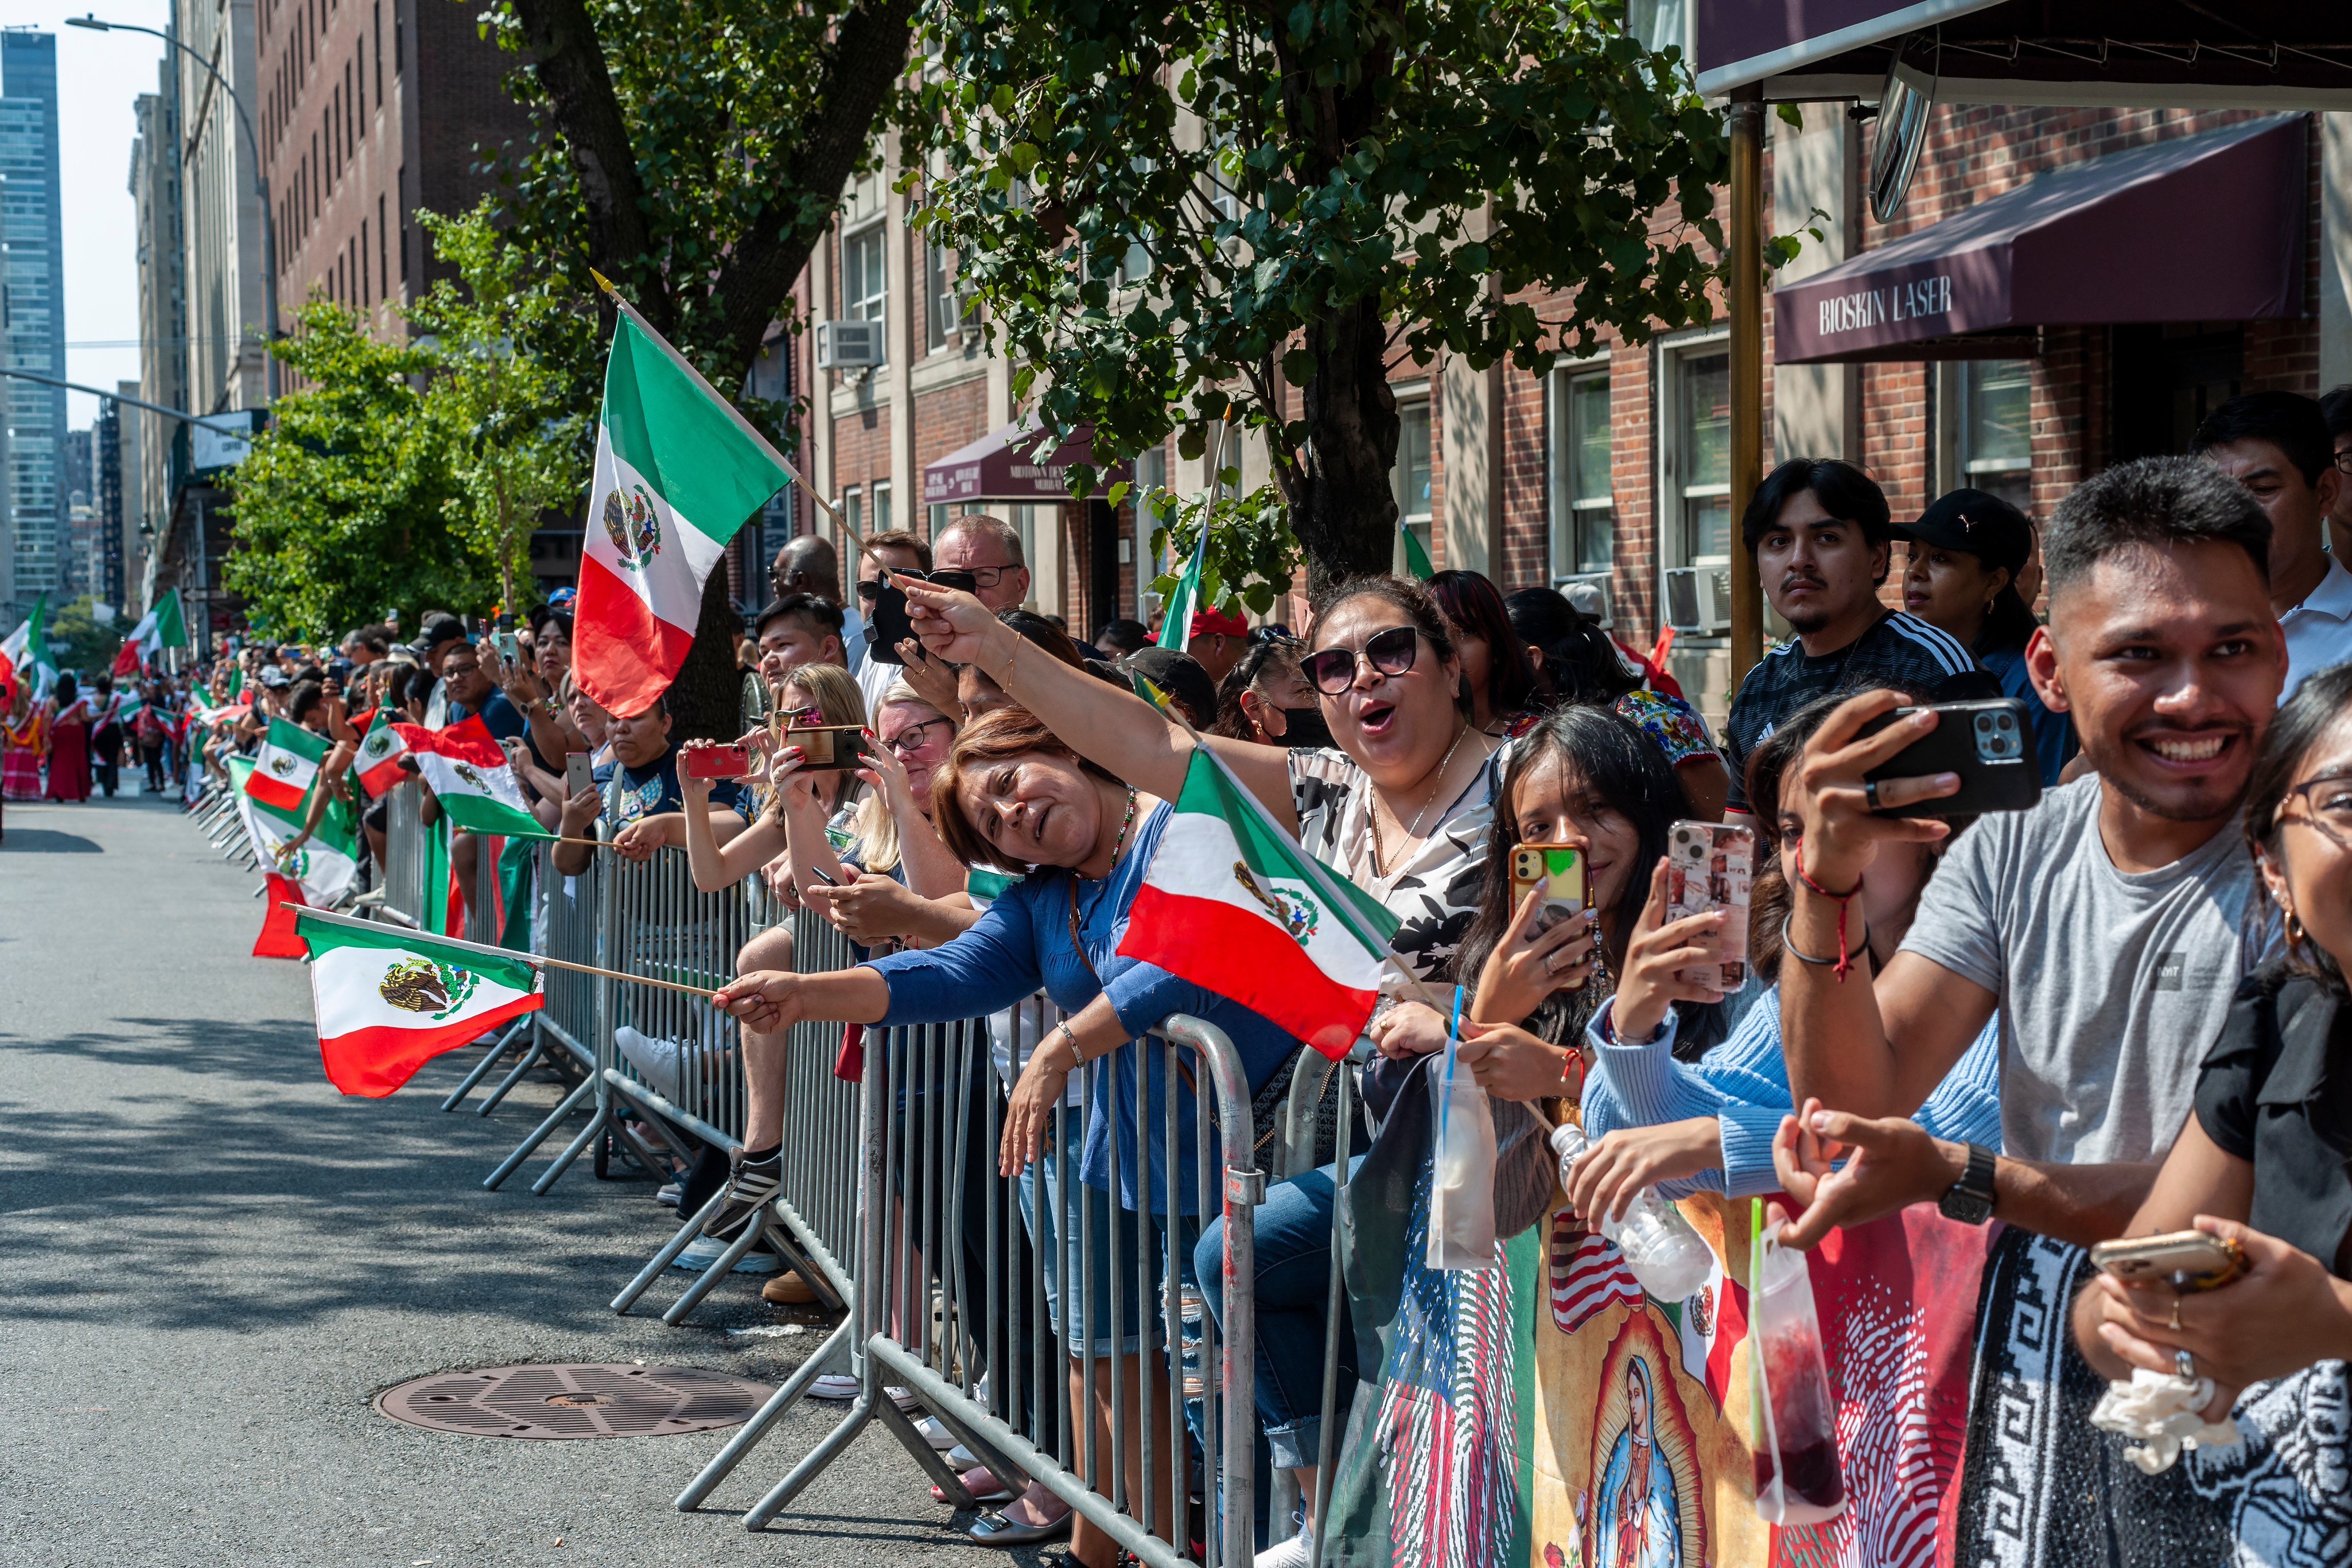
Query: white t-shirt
x: 2112, y: 984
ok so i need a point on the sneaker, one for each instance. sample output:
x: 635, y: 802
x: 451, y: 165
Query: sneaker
x: 667, y: 1197
x: 937, y: 1435
x: 1299, y: 1551
x: 834, y: 1386
x: 904, y: 1398
x: 787, y: 1290
x: 705, y: 1250
x: 963, y: 1458
x: 748, y: 1188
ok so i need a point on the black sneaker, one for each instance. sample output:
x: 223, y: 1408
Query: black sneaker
x: 748, y: 1188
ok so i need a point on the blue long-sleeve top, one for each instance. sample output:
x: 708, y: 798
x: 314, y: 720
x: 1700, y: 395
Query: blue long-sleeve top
x: 1743, y: 1083
x: 1022, y: 943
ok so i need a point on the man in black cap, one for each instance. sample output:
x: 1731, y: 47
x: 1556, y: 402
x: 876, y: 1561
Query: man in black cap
x: 441, y: 632
x: 1966, y: 553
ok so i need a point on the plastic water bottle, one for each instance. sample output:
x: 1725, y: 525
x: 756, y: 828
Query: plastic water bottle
x: 1667, y: 1256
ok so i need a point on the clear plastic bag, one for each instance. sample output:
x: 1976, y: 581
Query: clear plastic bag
x: 1797, y: 1477
x: 1461, y: 1176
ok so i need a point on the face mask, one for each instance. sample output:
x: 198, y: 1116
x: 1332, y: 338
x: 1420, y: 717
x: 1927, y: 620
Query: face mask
x: 1303, y: 728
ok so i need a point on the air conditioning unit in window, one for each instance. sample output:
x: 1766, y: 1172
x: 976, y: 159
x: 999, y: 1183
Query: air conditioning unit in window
x: 1599, y: 583
x: 1698, y: 599
x: 849, y: 345
x: 958, y: 311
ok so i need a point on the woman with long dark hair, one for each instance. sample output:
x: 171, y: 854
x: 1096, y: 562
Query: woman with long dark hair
x: 1966, y: 553
x: 1494, y: 661
x: 68, y: 722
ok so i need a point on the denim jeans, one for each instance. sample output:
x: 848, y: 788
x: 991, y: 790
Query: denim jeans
x: 1044, y: 1206
x: 1292, y: 1236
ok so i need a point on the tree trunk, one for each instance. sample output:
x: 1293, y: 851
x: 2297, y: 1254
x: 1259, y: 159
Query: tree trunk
x: 706, y: 701
x: 1345, y: 518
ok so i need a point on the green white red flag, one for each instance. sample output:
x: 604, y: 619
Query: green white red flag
x: 323, y: 868
x: 381, y: 750
x: 678, y: 471
x: 1231, y: 902
x: 389, y: 1000
x: 469, y: 774
x: 285, y: 766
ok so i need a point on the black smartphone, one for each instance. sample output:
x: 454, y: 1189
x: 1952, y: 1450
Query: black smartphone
x: 886, y: 624
x: 829, y: 746
x: 1989, y: 743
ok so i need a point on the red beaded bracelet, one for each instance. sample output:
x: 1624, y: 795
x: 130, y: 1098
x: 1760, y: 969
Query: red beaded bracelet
x: 1845, y: 958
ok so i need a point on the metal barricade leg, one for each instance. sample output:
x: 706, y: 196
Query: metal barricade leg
x: 668, y: 1255
x: 540, y: 1134
x: 498, y: 1048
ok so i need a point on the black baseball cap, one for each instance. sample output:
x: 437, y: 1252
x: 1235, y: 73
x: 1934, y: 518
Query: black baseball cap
x: 436, y: 630
x: 1181, y: 676
x: 1974, y: 523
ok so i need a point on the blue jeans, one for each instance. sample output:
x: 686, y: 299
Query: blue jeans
x: 1292, y: 1237
x: 1090, y: 1207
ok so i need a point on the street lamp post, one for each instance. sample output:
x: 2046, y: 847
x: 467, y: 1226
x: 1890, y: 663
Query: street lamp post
x: 260, y: 182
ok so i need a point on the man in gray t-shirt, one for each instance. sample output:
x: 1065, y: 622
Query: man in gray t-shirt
x: 2109, y: 925
x: 2085, y: 957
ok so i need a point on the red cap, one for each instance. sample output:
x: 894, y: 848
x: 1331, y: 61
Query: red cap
x: 1216, y: 623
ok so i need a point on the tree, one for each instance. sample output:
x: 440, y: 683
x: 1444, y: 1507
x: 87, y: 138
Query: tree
x: 1180, y: 212
x: 79, y: 641
x: 508, y: 354
x: 345, y: 505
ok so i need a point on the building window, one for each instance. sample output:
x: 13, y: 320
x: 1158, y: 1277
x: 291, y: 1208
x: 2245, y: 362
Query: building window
x: 853, y: 511
x: 1583, y: 515
x: 941, y: 326
x: 1024, y: 518
x: 865, y: 277
x: 1996, y: 428
x: 1412, y: 470
x: 880, y: 491
x: 935, y: 519
x: 1700, y: 471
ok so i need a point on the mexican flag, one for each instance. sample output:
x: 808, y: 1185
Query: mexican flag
x: 679, y: 470
x: 25, y: 651
x: 381, y: 750
x: 1176, y: 616
x: 388, y: 1000
x: 1231, y: 902
x: 286, y: 766
x: 325, y: 867
x: 466, y: 770
x: 160, y: 627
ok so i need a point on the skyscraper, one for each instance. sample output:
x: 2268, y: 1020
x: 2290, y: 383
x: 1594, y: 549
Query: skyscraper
x: 32, y: 318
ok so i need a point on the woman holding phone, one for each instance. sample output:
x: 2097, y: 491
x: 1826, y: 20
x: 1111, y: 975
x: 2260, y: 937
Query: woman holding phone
x: 2262, y: 1162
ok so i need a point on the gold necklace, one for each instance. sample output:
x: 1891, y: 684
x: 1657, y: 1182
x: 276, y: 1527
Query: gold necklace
x: 1412, y: 833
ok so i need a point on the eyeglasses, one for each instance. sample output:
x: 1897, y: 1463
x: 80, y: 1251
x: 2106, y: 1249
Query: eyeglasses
x: 2343, y: 461
x: 2328, y: 801
x: 945, y: 577
x: 910, y: 739
x: 1390, y: 653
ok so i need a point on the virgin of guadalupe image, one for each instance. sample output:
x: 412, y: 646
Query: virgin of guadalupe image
x: 1638, y: 1520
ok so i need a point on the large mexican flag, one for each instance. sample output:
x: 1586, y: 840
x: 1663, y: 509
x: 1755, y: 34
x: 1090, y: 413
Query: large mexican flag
x: 160, y: 627
x: 468, y: 772
x: 1231, y: 902
x: 679, y: 470
x: 388, y: 1001
x: 25, y: 653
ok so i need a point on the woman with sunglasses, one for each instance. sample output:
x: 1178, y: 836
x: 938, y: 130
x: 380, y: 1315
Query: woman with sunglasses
x: 1494, y: 663
x: 2261, y: 1160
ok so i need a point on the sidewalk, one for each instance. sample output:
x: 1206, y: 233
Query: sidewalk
x: 210, y: 1262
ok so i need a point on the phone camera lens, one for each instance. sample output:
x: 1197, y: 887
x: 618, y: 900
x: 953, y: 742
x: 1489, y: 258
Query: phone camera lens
x: 1984, y: 723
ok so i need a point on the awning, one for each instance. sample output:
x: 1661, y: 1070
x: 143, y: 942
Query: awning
x: 1001, y: 466
x: 2204, y: 228
x: 2145, y: 53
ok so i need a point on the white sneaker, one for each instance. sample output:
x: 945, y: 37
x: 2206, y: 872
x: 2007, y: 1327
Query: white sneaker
x: 1299, y: 1551
x: 963, y: 1458
x: 705, y: 1250
x: 904, y: 1398
x: 834, y: 1386
x: 937, y: 1435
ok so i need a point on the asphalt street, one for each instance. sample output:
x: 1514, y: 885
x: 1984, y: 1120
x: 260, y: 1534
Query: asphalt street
x: 210, y: 1264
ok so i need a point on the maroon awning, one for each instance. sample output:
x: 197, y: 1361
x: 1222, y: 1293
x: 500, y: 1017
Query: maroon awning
x: 2202, y: 229
x: 1001, y: 466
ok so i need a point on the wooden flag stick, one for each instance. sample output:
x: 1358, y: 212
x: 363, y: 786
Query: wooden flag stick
x: 748, y: 428
x: 509, y: 953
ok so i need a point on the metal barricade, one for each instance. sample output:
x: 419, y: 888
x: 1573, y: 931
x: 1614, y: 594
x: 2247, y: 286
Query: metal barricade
x: 403, y: 853
x: 952, y: 1290
x: 681, y: 1061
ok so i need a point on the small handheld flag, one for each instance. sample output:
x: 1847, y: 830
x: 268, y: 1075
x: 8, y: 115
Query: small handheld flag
x: 388, y: 1001
x: 1176, y: 626
x: 471, y: 777
x: 1416, y: 554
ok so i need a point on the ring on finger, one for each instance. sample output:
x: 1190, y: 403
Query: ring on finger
x: 2173, y: 1322
x: 1870, y: 793
x: 2184, y: 1365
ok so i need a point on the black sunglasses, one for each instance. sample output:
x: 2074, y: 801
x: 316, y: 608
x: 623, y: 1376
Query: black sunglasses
x: 1390, y: 653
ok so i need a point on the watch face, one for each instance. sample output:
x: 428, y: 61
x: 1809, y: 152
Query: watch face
x: 1968, y: 1207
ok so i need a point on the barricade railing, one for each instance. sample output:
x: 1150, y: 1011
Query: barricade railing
x: 403, y: 853
x: 668, y: 1052
x: 566, y: 917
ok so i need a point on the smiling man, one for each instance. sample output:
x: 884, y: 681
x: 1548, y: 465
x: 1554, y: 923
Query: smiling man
x: 2276, y: 445
x: 1822, y: 534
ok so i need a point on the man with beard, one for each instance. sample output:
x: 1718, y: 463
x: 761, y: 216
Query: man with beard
x: 1821, y: 535
x: 2110, y: 924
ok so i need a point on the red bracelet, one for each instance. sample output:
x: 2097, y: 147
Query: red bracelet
x: 1844, y: 958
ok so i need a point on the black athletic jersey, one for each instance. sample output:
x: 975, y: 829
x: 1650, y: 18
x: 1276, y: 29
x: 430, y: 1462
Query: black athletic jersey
x: 1899, y: 651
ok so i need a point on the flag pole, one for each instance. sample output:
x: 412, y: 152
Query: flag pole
x: 735, y: 414
x: 507, y: 954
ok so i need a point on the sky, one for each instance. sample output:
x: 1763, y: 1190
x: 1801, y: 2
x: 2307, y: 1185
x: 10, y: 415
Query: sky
x: 100, y: 76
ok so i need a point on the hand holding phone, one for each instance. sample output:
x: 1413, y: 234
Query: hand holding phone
x: 579, y: 773
x: 1989, y: 743
x: 1708, y: 866
x: 1561, y: 868
x: 2187, y: 1260
x: 707, y: 761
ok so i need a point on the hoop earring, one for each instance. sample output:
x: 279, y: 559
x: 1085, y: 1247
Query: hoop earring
x: 2295, y: 934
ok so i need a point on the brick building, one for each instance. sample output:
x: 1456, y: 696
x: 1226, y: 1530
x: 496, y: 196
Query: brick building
x: 368, y: 110
x: 1615, y: 470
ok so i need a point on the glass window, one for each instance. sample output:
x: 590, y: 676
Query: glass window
x: 1412, y: 470
x: 1024, y: 518
x: 939, y: 327
x: 881, y: 506
x: 853, y: 507
x: 1997, y: 428
x: 1703, y: 454
x: 1583, y: 535
x: 936, y: 519
x: 865, y: 277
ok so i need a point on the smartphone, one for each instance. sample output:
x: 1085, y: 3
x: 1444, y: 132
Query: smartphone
x: 2187, y: 1260
x: 714, y: 762
x: 886, y: 624
x: 1988, y: 743
x: 1560, y: 864
x: 508, y: 650
x: 579, y: 773
x: 829, y: 746
x: 1709, y: 865
x: 818, y: 872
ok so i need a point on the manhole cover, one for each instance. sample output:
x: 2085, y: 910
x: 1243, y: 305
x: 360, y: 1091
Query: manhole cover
x: 574, y: 1399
